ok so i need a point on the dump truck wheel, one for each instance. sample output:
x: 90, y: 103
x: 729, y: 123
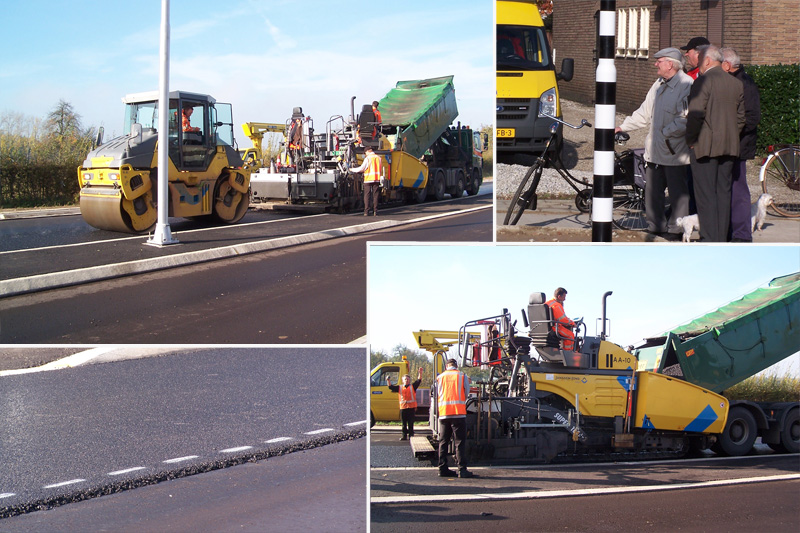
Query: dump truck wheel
x: 475, y: 183
x: 739, y: 434
x: 458, y: 189
x: 790, y: 433
x: 371, y: 419
x: 419, y: 195
x: 438, y: 186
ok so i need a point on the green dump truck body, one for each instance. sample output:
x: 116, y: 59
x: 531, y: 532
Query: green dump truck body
x: 422, y: 110
x: 734, y: 342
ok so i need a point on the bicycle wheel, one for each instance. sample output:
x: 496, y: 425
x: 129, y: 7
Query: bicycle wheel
x: 628, y: 211
x: 782, y: 181
x: 522, y: 197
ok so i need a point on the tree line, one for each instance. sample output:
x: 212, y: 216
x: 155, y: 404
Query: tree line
x: 39, y: 157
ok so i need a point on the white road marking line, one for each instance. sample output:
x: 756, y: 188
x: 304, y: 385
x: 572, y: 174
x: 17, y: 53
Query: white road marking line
x: 64, y: 483
x: 360, y: 422
x: 126, y: 471
x: 181, y: 459
x: 66, y: 362
x: 239, y: 449
x: 576, y: 492
x: 7, y: 494
x: 279, y: 439
x: 318, y: 431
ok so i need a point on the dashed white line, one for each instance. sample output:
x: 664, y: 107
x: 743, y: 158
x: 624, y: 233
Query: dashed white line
x: 7, y: 494
x: 318, y: 431
x: 181, y: 459
x: 234, y: 450
x: 126, y: 471
x: 64, y: 483
x: 278, y: 439
x: 360, y: 422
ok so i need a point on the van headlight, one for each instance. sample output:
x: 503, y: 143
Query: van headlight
x: 548, y: 103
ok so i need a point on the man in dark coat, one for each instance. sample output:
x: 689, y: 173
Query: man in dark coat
x: 716, y: 116
x: 740, y: 194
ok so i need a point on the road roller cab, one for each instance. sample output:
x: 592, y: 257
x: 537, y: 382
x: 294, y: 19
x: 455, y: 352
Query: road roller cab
x: 206, y: 174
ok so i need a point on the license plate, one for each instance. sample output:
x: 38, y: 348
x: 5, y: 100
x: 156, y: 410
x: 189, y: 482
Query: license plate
x: 505, y: 133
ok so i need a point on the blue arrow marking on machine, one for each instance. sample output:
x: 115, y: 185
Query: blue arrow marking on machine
x: 703, y: 420
x: 647, y: 423
x: 419, y: 181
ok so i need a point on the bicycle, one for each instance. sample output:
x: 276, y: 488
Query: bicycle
x: 628, y: 192
x: 780, y: 178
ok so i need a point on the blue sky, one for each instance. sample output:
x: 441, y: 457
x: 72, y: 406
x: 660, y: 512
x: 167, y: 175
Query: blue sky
x: 415, y: 286
x: 264, y: 57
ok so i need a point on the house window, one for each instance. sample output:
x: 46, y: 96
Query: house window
x: 633, y: 32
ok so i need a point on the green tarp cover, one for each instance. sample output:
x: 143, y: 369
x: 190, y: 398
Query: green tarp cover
x: 783, y: 289
x: 409, y: 101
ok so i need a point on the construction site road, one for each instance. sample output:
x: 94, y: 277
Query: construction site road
x: 122, y: 420
x: 43, y: 253
x: 682, y: 494
x: 310, y: 294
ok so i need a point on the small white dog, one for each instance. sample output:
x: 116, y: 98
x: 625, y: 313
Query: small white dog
x: 758, y: 211
x: 689, y: 224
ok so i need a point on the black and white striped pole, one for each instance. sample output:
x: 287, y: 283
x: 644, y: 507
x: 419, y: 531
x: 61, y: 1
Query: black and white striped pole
x: 605, y: 109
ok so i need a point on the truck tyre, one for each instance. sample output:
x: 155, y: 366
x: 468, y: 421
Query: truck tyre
x: 371, y: 419
x: 790, y: 432
x: 475, y: 183
x: 458, y: 189
x: 739, y: 434
x: 438, y: 186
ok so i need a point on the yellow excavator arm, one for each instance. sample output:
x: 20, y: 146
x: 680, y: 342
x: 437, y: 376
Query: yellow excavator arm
x: 255, y: 132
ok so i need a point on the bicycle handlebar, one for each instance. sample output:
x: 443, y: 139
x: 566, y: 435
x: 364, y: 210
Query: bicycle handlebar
x: 584, y: 122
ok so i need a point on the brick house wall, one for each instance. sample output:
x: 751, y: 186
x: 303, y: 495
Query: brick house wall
x: 762, y: 32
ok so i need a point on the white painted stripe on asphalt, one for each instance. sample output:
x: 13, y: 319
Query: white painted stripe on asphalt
x: 11, y: 287
x: 66, y: 362
x: 360, y: 422
x: 126, y: 471
x: 181, y: 459
x: 64, y: 483
x: 141, y: 237
x: 233, y: 450
x: 7, y: 494
x: 278, y: 439
x: 318, y: 431
x: 531, y: 495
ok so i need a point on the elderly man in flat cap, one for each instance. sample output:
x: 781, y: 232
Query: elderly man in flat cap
x: 664, y: 110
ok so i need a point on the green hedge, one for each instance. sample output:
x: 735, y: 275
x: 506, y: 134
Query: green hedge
x: 779, y: 90
x: 32, y: 185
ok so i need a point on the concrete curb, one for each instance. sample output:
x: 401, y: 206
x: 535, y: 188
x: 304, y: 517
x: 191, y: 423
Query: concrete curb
x: 17, y: 286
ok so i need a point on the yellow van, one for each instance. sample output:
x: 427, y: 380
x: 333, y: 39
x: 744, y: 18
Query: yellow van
x: 526, y: 80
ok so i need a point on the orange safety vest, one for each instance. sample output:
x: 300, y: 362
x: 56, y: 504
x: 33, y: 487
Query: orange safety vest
x: 408, y: 397
x: 373, y: 171
x: 562, y: 321
x: 452, y: 397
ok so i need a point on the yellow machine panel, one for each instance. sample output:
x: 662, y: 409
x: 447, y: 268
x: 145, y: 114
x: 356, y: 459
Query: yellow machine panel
x: 408, y: 171
x: 666, y: 403
x: 597, y: 395
x: 612, y: 357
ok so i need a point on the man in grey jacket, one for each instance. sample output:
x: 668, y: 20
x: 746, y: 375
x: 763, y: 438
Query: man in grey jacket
x: 664, y: 110
x: 716, y: 116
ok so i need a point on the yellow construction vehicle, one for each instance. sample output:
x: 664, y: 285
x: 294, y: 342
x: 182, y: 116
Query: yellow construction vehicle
x: 596, y: 401
x: 255, y: 132
x: 207, y: 177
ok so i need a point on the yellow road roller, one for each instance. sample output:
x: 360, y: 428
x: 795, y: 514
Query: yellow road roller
x: 207, y: 178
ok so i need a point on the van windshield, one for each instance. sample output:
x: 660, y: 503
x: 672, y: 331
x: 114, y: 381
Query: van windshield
x: 522, y: 48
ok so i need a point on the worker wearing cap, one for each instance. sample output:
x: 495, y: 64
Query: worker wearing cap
x: 452, y: 388
x: 692, y: 55
x: 563, y: 325
x: 372, y: 166
x: 407, y: 396
x: 664, y: 112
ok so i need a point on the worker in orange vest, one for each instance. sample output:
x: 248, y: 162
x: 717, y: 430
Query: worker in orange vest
x: 372, y: 168
x: 563, y: 325
x: 452, y: 388
x: 407, y: 396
